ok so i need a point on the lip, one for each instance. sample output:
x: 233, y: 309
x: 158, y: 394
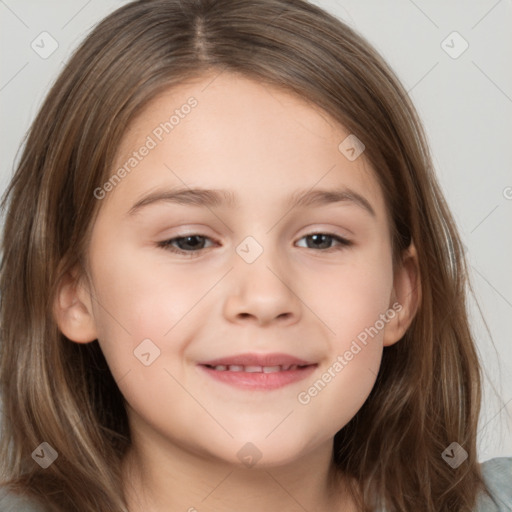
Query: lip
x: 254, y: 359
x: 258, y: 380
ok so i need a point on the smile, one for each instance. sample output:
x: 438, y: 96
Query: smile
x: 255, y: 369
x: 257, y: 377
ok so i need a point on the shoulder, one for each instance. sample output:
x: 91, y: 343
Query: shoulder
x: 497, y: 474
x: 10, y: 502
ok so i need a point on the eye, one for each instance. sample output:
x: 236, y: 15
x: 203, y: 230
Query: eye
x: 191, y: 245
x: 324, y: 240
x: 188, y: 245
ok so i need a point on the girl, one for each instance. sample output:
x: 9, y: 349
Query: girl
x: 230, y: 280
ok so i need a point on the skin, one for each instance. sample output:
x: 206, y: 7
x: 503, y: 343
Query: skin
x: 262, y: 144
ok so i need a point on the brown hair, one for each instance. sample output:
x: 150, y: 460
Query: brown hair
x: 427, y: 393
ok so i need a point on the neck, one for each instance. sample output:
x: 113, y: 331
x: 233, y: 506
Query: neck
x: 157, y: 480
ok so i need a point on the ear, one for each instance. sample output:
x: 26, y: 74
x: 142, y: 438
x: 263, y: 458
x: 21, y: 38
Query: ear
x: 405, y: 297
x: 72, y: 309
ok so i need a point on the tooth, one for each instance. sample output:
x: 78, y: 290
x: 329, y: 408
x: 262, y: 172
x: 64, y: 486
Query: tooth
x: 235, y: 368
x: 286, y: 367
x: 271, y: 369
x: 220, y: 367
x: 253, y: 369
x: 293, y: 367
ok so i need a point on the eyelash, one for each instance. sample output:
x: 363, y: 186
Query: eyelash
x: 167, y: 244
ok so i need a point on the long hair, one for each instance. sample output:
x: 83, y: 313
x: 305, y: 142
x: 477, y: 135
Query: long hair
x: 428, y: 391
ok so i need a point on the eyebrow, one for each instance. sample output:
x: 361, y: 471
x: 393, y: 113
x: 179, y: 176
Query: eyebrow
x: 214, y: 198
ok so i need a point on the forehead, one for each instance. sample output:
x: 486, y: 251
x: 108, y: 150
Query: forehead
x: 254, y: 139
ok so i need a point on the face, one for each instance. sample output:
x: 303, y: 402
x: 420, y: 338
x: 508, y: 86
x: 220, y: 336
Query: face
x: 242, y: 315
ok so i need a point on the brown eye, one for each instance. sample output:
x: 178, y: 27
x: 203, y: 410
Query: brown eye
x: 324, y: 241
x: 188, y: 245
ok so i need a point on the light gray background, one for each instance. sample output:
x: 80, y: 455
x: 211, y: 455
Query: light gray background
x: 465, y: 104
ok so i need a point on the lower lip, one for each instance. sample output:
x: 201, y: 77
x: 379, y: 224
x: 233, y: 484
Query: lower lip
x: 260, y: 380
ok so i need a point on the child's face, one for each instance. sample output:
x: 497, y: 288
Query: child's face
x: 256, y: 284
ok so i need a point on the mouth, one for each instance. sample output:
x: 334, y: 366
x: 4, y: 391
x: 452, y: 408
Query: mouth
x: 255, y: 369
x: 258, y: 371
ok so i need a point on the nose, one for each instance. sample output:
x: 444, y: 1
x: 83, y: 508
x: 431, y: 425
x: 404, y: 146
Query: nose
x: 260, y: 293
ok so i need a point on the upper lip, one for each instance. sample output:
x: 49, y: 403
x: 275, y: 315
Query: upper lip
x: 274, y: 359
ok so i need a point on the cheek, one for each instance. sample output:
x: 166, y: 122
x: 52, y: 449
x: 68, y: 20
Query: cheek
x: 137, y: 300
x: 350, y: 298
x: 354, y: 304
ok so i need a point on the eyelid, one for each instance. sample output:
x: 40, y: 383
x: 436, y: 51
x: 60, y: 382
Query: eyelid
x: 166, y: 244
x: 343, y: 242
x: 344, y: 234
